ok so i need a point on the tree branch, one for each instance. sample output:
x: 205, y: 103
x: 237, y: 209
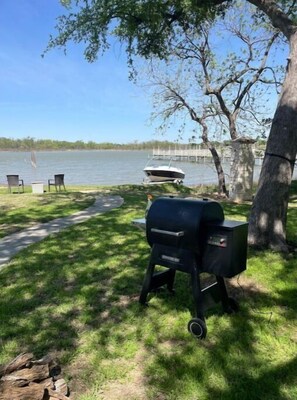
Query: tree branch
x: 279, y: 19
x: 259, y: 71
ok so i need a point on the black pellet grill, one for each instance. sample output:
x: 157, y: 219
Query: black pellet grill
x: 192, y: 236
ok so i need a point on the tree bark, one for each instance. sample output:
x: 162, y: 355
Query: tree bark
x: 222, y: 189
x: 19, y: 362
x: 27, y: 379
x: 267, y: 226
x: 35, y: 392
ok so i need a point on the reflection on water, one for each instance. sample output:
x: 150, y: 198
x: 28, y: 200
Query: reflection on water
x: 98, y: 167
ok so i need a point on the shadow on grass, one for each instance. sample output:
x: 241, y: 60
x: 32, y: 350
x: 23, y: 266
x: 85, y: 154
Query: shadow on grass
x: 76, y: 294
x: 240, y: 359
x: 41, y: 209
x: 54, y: 290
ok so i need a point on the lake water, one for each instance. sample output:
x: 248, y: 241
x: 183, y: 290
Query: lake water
x: 102, y: 167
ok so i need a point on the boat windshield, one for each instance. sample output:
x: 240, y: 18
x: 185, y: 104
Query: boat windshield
x: 152, y: 163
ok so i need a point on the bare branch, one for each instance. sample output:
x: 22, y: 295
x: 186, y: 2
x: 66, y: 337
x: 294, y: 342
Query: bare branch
x: 258, y: 71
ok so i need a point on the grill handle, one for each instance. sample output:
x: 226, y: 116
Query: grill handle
x: 176, y: 234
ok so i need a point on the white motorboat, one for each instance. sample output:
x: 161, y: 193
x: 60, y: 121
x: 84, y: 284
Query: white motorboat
x: 163, y: 173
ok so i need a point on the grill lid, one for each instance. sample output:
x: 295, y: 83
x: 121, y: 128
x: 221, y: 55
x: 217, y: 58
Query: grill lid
x: 180, y: 222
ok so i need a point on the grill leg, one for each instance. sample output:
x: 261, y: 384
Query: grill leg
x: 170, y: 281
x: 153, y: 281
x: 146, y: 283
x: 197, y: 326
x: 197, y: 294
x: 229, y: 304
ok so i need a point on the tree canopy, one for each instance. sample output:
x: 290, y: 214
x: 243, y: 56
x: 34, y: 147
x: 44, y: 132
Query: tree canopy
x: 149, y: 28
x: 145, y: 27
x: 222, y: 91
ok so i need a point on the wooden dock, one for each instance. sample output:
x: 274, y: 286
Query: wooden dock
x: 196, y: 155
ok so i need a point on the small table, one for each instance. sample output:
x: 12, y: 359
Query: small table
x: 37, y: 187
x: 140, y: 223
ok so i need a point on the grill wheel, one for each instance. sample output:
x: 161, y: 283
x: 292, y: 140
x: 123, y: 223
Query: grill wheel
x: 197, y: 328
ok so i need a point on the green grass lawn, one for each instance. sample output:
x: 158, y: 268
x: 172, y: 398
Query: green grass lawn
x: 75, y: 295
x: 19, y: 211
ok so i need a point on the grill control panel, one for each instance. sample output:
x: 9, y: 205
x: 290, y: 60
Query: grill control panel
x: 217, y: 240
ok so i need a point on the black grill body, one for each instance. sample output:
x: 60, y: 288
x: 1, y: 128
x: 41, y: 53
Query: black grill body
x: 192, y: 236
x: 181, y: 223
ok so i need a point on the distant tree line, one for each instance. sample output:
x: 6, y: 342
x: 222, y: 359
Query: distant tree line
x: 29, y: 144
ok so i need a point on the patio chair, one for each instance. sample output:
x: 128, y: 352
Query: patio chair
x: 58, y: 181
x: 15, y: 181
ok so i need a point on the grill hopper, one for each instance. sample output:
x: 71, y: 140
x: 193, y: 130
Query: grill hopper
x: 192, y: 236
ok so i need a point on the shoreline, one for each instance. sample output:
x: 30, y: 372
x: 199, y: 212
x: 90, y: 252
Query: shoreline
x: 66, y: 150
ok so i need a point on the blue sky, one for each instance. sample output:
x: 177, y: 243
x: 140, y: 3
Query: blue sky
x: 63, y: 97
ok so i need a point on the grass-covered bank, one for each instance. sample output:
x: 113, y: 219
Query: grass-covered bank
x: 19, y: 211
x: 76, y: 295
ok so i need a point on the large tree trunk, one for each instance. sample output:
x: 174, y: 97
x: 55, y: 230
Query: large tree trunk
x: 222, y: 189
x: 267, y: 226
